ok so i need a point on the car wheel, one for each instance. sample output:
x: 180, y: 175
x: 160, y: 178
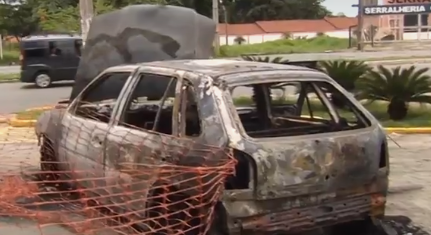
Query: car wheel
x: 43, y: 80
x: 50, y: 167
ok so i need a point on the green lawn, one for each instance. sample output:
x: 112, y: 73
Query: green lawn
x: 10, y: 56
x: 29, y: 115
x: 9, y: 76
x: 286, y: 46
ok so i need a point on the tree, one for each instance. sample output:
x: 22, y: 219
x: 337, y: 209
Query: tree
x: 267, y: 59
x: 239, y: 40
x: 398, y: 86
x: 245, y: 11
x: 17, y: 18
x: 345, y: 72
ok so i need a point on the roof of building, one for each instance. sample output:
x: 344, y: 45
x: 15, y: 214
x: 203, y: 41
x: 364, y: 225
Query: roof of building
x: 326, y: 24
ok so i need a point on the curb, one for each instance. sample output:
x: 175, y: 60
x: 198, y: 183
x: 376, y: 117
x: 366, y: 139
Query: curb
x: 47, y: 107
x: 399, y: 62
x: 13, y: 122
x: 409, y: 130
x: 9, y: 81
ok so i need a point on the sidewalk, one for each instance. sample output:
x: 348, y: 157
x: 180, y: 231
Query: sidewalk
x: 17, y: 135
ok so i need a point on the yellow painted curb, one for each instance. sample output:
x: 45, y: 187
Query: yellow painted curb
x: 409, y: 130
x: 4, y: 120
x: 21, y: 123
x: 48, y: 107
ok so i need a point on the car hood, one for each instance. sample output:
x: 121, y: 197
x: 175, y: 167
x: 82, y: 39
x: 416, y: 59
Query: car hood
x: 143, y: 33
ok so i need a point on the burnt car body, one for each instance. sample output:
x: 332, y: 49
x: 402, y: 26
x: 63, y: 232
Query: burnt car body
x: 296, y: 170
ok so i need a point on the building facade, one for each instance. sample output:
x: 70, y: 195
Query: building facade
x: 407, y: 26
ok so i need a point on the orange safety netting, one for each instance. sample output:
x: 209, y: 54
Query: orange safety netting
x: 130, y: 183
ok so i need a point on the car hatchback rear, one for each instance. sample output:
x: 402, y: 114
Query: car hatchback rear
x: 305, y: 161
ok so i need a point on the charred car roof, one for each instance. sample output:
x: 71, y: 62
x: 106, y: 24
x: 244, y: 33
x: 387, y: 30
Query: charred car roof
x: 221, y: 68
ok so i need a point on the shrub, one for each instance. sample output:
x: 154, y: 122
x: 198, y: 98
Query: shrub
x: 397, y: 86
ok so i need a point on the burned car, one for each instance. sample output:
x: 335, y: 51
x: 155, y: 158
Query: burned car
x: 301, y: 162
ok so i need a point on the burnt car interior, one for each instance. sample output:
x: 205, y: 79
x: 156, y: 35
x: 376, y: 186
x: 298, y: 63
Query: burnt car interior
x: 151, y: 106
x: 97, y: 102
x: 295, y: 108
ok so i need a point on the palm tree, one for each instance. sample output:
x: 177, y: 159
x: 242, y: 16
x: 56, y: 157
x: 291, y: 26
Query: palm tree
x: 397, y: 86
x: 267, y: 59
x: 346, y: 73
x: 239, y: 40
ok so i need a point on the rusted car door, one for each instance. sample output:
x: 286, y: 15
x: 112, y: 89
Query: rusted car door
x: 135, y: 148
x: 85, y: 126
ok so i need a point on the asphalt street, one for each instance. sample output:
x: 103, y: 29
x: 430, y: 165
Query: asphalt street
x: 315, y: 56
x: 16, y: 97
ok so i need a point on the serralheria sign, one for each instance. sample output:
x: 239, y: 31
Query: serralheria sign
x: 397, y: 9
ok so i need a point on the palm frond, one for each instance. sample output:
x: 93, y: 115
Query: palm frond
x: 344, y: 72
x: 405, y: 84
x: 267, y: 59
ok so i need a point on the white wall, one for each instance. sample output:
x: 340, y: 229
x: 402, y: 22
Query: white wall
x: 259, y: 38
x: 417, y: 36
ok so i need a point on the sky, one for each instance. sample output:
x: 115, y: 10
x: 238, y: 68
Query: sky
x: 344, y: 6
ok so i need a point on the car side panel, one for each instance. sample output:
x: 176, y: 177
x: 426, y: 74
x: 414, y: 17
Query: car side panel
x: 81, y: 146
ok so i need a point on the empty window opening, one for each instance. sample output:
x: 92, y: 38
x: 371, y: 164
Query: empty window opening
x: 293, y: 108
x: 151, y: 105
x: 98, y: 101
x: 189, y: 105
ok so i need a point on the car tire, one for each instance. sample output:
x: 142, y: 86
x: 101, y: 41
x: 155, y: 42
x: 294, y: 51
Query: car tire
x: 49, y: 167
x: 42, y: 80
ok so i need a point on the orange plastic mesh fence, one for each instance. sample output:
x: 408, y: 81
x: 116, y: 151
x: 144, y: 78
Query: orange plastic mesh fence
x: 95, y: 178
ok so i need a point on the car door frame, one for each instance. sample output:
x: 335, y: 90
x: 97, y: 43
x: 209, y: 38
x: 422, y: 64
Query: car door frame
x: 132, y: 85
x: 119, y: 174
x: 102, y: 128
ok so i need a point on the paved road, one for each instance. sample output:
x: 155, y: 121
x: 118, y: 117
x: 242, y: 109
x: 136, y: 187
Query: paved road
x: 15, y: 97
x: 315, y: 56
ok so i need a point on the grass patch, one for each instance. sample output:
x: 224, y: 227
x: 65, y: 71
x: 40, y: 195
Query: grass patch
x: 10, y: 57
x: 9, y: 77
x: 29, y: 114
x: 418, y: 115
x: 286, y: 46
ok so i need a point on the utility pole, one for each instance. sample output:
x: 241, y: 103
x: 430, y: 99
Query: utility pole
x: 86, y: 10
x: 360, y: 28
x: 215, y: 4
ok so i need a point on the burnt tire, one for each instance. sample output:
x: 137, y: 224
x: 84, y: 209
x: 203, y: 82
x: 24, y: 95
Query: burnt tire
x: 49, y: 165
x: 359, y: 227
x: 219, y: 223
x: 170, y: 211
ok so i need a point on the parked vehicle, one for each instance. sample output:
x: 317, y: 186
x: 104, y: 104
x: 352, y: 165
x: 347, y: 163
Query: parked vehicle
x: 49, y: 58
x: 294, y: 171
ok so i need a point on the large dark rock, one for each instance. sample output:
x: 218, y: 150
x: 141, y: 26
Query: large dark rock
x: 143, y: 33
